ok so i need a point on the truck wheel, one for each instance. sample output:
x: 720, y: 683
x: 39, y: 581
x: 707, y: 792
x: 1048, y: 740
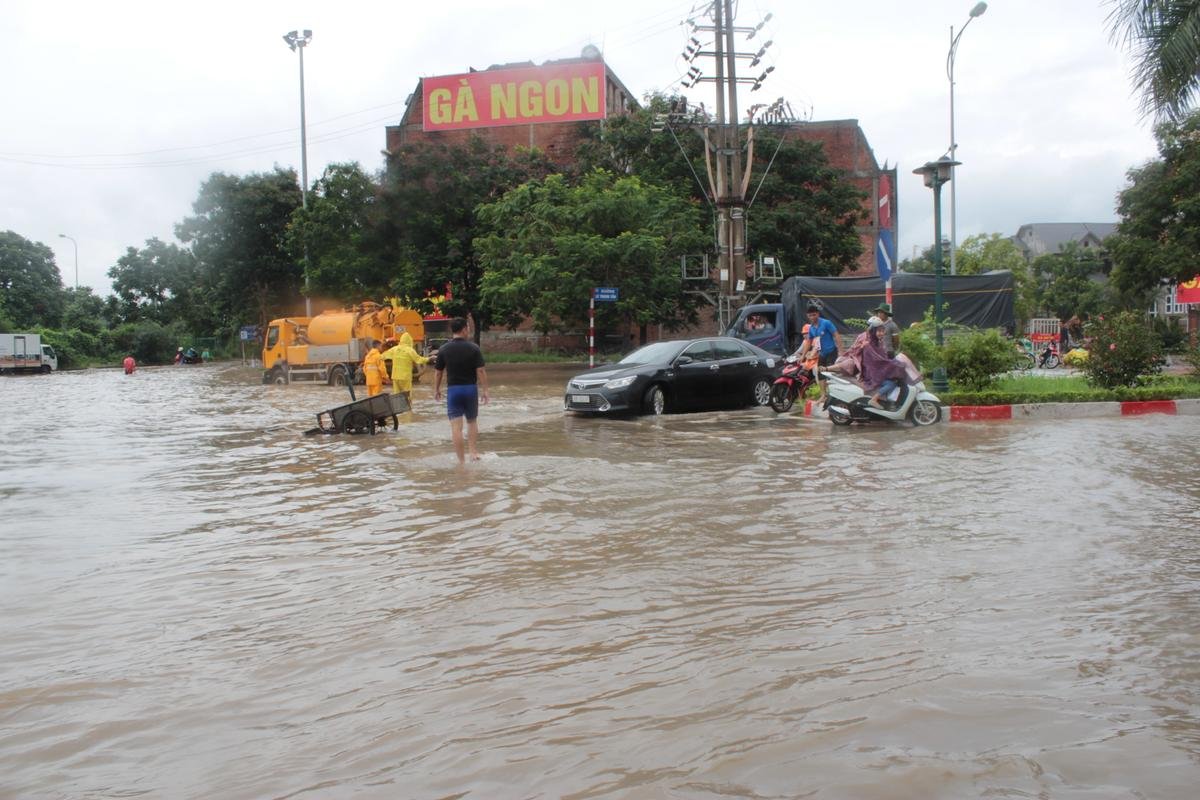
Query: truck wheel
x: 358, y: 422
x: 46, y: 369
x: 337, y: 376
x: 278, y: 377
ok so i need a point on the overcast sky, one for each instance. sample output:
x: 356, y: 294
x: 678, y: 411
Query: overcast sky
x: 114, y: 113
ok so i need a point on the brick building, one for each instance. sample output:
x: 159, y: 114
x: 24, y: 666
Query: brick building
x: 847, y: 149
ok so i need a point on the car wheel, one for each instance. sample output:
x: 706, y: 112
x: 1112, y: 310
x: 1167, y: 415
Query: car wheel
x: 762, y: 392
x: 654, y: 401
x: 781, y: 398
x: 925, y: 412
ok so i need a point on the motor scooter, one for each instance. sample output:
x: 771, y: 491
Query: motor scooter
x: 789, y: 385
x: 847, y: 403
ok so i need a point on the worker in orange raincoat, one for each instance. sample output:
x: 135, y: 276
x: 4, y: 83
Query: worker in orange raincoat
x: 374, y: 370
x: 404, y: 358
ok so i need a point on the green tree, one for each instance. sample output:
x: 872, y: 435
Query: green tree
x: 237, y: 236
x: 157, y: 283
x: 804, y: 212
x: 425, y: 224
x: 31, y: 290
x: 1071, y: 282
x: 548, y: 243
x: 343, y: 262
x: 1158, y: 236
x: 84, y: 311
x: 985, y: 252
x: 1163, y: 36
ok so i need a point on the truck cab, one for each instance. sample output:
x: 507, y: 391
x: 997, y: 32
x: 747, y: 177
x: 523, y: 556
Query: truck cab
x: 766, y: 325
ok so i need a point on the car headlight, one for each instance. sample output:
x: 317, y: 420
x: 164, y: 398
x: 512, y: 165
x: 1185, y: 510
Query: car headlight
x: 620, y: 383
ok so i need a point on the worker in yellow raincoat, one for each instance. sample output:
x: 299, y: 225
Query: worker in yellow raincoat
x: 404, y: 357
x: 374, y: 370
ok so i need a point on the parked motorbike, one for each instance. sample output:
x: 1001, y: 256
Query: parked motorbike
x: 1049, y: 358
x: 847, y: 403
x: 789, y: 385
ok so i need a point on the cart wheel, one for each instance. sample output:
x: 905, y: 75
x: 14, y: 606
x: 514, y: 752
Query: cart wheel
x: 358, y: 422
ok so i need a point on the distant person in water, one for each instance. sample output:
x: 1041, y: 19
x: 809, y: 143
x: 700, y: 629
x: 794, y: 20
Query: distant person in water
x: 130, y: 364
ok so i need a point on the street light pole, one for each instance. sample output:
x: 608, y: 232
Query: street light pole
x: 298, y: 40
x: 937, y: 173
x: 76, y: 244
x: 975, y: 12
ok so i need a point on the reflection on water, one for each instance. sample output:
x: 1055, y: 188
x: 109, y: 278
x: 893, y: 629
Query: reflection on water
x: 197, y: 600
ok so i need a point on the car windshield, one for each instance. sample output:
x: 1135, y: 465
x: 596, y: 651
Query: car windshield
x: 656, y: 353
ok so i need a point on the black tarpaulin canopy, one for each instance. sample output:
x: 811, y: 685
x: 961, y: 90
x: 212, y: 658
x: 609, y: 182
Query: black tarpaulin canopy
x: 981, y: 301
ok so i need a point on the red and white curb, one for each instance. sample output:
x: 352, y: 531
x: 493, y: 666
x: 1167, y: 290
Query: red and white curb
x: 1131, y: 408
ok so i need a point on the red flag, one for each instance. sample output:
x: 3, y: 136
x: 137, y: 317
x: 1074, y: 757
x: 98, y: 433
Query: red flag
x: 1188, y: 291
x: 885, y: 201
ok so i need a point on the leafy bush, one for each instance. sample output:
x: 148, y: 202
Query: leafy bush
x: 975, y: 359
x: 1171, y: 335
x: 74, y: 348
x: 148, y: 342
x: 1076, y: 357
x: 1191, y: 357
x: 1121, y: 350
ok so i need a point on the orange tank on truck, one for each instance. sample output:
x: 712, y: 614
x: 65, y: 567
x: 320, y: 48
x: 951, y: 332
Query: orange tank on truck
x: 329, y: 347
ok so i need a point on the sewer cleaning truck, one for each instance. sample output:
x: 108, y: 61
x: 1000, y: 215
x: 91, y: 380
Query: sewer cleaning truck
x: 329, y: 347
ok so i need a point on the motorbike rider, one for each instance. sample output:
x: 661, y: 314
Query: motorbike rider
x: 880, y: 373
x: 820, y: 338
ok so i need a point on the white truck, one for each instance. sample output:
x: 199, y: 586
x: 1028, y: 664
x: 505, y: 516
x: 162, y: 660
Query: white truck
x: 24, y: 352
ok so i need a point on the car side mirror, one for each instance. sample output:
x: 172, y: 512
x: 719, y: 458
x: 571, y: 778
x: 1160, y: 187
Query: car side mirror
x: 683, y: 360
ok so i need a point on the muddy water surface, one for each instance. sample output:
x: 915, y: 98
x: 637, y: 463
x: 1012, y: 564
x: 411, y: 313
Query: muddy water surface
x: 198, y: 601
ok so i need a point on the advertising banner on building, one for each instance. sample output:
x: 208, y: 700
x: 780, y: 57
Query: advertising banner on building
x: 1188, y: 291
x: 553, y: 93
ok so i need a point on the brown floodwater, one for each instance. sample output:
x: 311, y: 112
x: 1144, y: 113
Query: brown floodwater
x: 196, y: 600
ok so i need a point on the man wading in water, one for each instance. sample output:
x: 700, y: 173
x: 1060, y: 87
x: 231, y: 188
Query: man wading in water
x: 461, y: 362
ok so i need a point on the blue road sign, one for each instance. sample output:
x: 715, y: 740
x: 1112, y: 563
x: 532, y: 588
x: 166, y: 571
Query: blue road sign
x: 605, y: 293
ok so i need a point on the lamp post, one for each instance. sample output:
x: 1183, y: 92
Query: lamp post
x: 298, y: 40
x: 975, y: 12
x: 935, y: 174
x: 76, y: 244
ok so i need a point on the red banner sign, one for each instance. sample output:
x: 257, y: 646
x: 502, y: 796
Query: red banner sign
x: 557, y: 93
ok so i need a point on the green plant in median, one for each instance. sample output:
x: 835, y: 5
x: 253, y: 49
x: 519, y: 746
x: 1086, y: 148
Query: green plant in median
x: 1122, y: 349
x: 975, y: 359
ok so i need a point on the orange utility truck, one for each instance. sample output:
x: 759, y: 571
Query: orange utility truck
x: 329, y: 347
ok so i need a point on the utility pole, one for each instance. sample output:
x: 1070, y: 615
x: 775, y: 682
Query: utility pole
x: 727, y: 174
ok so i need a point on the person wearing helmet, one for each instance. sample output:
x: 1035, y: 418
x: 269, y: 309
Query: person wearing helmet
x: 881, y: 374
x: 179, y: 355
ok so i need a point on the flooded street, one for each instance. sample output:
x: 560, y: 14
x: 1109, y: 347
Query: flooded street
x: 198, y: 601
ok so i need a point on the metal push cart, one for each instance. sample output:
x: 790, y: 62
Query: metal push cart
x: 365, y: 415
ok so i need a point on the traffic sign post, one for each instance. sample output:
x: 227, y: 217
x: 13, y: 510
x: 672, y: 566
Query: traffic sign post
x: 605, y: 294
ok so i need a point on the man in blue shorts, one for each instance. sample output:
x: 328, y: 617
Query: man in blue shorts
x: 460, y: 361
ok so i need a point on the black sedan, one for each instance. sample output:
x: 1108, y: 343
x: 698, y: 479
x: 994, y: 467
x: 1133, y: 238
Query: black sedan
x: 683, y: 375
